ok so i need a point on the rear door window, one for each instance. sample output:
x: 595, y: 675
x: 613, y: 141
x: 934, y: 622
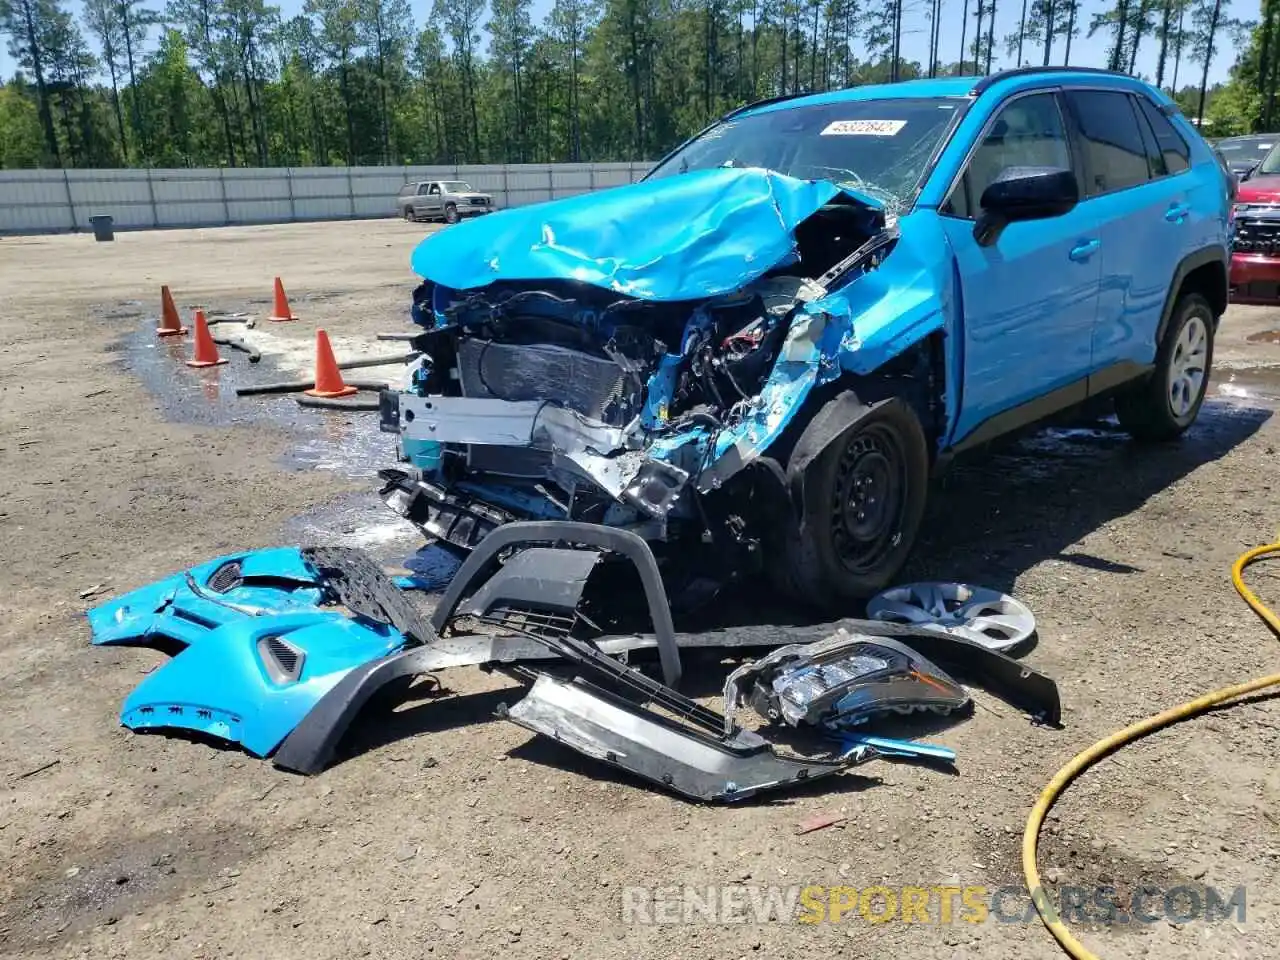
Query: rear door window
x: 1155, y: 158
x: 1174, y: 150
x: 1115, y: 156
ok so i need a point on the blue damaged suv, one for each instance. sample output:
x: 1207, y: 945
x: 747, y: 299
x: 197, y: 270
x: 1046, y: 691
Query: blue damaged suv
x: 755, y: 357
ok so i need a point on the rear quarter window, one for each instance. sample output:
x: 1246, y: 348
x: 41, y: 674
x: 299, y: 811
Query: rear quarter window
x: 1174, y: 150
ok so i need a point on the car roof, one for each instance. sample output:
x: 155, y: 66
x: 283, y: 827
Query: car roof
x: 1249, y: 136
x: 935, y: 87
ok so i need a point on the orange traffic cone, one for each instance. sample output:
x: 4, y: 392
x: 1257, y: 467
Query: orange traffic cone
x: 281, y: 310
x: 206, y: 354
x: 329, y: 382
x: 170, y: 325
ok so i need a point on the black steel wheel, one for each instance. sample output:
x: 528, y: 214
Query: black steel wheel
x: 864, y: 497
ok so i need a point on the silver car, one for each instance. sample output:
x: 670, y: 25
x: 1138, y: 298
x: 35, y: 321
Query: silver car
x: 447, y: 200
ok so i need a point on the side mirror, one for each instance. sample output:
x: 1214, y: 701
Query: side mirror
x: 1024, y: 193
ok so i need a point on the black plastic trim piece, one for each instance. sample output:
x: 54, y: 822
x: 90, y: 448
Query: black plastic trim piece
x: 1039, y: 408
x: 1189, y: 264
x: 1024, y: 414
x: 309, y: 748
x: 389, y: 411
x: 1108, y: 378
x: 571, y: 532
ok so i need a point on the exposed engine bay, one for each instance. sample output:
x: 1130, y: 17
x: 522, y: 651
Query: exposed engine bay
x: 561, y: 399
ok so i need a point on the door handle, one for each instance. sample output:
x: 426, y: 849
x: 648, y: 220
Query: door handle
x: 1177, y: 212
x: 1085, y: 249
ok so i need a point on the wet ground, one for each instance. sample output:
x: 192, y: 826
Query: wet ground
x: 450, y: 834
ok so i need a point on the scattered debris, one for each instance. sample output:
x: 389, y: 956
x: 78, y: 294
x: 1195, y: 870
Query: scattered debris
x: 40, y: 769
x: 91, y: 591
x: 406, y: 851
x: 306, y: 636
x: 820, y: 821
x: 990, y: 617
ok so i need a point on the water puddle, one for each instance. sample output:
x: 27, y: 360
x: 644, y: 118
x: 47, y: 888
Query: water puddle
x: 347, y: 443
x: 1259, y: 386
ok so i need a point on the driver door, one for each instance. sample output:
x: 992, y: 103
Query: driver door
x: 1028, y: 301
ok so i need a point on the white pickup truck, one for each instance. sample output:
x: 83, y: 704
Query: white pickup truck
x: 447, y: 200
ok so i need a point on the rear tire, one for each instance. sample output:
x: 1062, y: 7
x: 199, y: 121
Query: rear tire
x: 407, y: 213
x: 1163, y: 405
x: 451, y: 213
x: 864, y: 498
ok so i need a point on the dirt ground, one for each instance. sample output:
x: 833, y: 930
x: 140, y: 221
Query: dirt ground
x: 453, y: 834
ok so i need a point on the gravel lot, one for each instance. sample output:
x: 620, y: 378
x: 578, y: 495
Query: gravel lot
x: 452, y: 834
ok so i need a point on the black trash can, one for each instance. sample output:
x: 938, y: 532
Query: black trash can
x: 103, y: 228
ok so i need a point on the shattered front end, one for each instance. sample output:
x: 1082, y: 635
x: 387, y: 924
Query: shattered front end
x: 573, y: 370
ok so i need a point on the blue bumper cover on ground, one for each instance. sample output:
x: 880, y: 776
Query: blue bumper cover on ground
x: 259, y: 646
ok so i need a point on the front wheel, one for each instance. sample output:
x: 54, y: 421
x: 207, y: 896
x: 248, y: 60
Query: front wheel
x: 863, y: 501
x: 451, y: 213
x: 1164, y: 405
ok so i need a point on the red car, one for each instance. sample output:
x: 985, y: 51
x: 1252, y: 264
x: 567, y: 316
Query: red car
x: 1255, y: 249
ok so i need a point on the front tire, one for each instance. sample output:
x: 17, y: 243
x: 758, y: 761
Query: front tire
x: 1166, y: 403
x: 451, y: 213
x: 864, y: 498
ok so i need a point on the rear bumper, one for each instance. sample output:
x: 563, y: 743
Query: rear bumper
x: 1255, y: 279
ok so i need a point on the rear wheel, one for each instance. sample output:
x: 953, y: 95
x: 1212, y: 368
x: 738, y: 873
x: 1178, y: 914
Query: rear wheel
x: 864, y: 497
x: 1165, y: 404
x: 451, y: 213
x: 407, y: 213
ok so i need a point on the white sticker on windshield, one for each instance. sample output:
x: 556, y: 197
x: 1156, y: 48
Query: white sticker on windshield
x: 864, y: 128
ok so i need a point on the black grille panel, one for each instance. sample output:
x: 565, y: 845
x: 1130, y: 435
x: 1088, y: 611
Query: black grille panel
x: 1260, y: 235
x: 282, y: 659
x: 509, y: 461
x: 226, y: 577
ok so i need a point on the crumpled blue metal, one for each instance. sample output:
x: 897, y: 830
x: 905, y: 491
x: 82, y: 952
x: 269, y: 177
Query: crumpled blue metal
x: 218, y: 684
x: 702, y: 234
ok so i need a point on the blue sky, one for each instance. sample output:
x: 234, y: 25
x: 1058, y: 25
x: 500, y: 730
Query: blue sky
x: 1084, y: 51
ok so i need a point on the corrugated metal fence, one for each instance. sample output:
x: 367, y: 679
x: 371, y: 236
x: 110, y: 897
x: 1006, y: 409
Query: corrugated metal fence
x: 45, y: 201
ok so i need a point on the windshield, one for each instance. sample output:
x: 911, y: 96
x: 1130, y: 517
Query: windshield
x: 456, y: 186
x: 879, y: 147
x: 1246, y: 150
x: 1272, y: 162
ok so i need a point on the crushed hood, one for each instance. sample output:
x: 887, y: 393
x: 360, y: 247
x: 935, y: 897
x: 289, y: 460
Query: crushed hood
x: 700, y: 234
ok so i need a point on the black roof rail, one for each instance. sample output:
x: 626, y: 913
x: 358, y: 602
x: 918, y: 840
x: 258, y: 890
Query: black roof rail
x: 767, y: 101
x: 985, y: 83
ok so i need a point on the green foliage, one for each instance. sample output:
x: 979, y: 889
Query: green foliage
x: 228, y: 82
x: 21, y: 140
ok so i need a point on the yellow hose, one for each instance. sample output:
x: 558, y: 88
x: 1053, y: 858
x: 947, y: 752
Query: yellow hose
x: 1082, y: 761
